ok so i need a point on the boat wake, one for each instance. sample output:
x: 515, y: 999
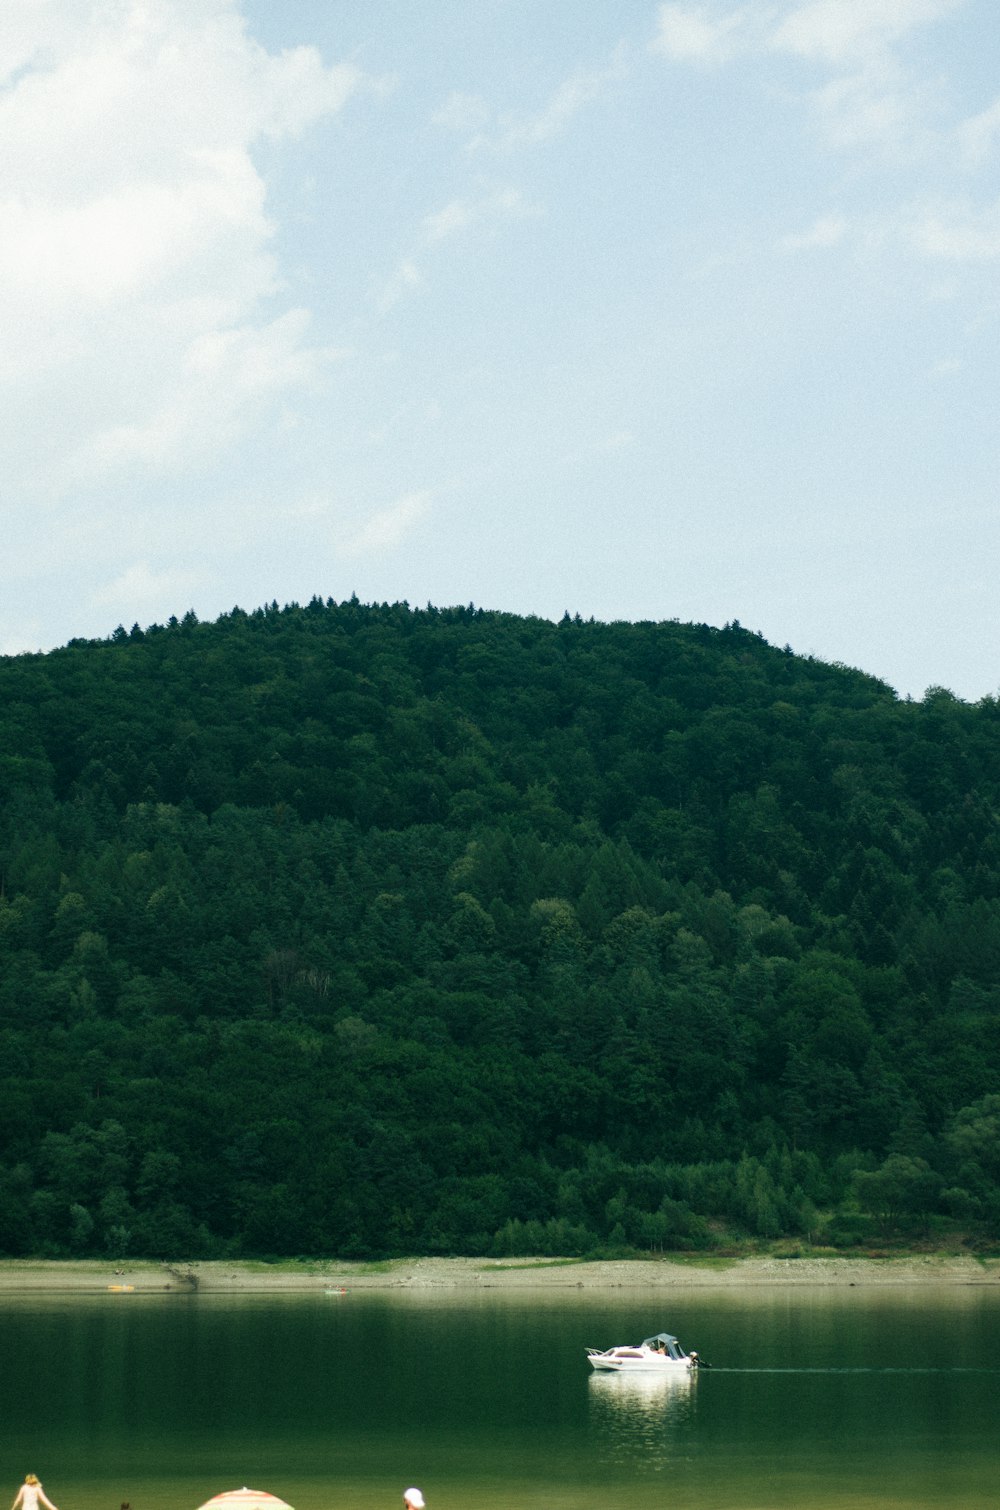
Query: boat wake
x: 874, y: 1369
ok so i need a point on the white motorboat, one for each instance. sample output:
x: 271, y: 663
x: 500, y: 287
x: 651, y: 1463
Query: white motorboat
x: 660, y: 1354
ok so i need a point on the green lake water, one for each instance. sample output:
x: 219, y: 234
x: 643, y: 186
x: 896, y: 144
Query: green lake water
x: 817, y: 1397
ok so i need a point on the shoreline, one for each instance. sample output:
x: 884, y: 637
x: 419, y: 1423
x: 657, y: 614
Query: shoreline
x: 91, y: 1276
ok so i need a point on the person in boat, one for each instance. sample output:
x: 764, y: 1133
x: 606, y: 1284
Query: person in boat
x: 413, y: 1499
x: 661, y: 1348
x: 31, y: 1495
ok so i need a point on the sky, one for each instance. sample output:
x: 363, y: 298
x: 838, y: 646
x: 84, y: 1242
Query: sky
x: 635, y: 310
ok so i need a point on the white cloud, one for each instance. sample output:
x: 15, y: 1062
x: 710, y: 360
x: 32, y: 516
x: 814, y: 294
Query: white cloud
x: 958, y: 232
x: 388, y: 527
x: 227, y: 375
x: 143, y: 594
x: 447, y: 222
x: 837, y: 32
x: 462, y: 113
x: 828, y: 230
x: 471, y: 115
x: 871, y: 100
x: 978, y: 135
x: 571, y: 96
x: 850, y: 31
x: 874, y: 107
x: 134, y: 237
x: 873, y: 96
x: 461, y: 214
x: 405, y: 278
x: 698, y: 34
x: 488, y: 210
x: 942, y: 231
x: 868, y: 98
x: 566, y: 102
x: 948, y: 367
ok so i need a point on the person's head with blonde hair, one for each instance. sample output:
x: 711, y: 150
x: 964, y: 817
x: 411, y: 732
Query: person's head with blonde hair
x: 31, y: 1478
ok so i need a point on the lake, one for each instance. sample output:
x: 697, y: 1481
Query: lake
x: 817, y: 1397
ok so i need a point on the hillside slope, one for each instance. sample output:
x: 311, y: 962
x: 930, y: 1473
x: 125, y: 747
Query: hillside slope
x: 370, y: 930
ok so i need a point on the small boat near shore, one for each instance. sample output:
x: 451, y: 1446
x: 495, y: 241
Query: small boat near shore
x: 659, y: 1354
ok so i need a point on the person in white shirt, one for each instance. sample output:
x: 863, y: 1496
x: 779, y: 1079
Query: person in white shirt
x: 31, y: 1495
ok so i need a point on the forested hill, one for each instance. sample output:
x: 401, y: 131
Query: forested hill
x: 367, y: 930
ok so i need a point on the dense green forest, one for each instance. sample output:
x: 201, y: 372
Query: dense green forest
x: 365, y: 930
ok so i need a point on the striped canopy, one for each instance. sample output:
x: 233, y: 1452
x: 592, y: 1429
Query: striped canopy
x: 245, y: 1499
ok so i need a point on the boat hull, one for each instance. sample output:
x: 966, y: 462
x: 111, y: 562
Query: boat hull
x: 636, y: 1361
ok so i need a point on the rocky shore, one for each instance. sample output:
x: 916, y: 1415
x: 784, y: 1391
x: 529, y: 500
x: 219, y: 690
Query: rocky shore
x: 23, y: 1275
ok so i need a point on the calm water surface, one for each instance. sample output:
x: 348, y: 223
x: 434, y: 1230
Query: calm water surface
x: 817, y: 1397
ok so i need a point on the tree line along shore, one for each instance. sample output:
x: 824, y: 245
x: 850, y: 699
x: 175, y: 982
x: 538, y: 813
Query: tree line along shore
x: 369, y: 930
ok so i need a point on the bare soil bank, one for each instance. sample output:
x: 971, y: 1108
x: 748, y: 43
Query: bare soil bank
x: 22, y: 1275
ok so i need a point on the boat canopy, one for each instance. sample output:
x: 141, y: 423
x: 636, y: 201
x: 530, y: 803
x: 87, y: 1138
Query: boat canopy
x: 671, y: 1344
